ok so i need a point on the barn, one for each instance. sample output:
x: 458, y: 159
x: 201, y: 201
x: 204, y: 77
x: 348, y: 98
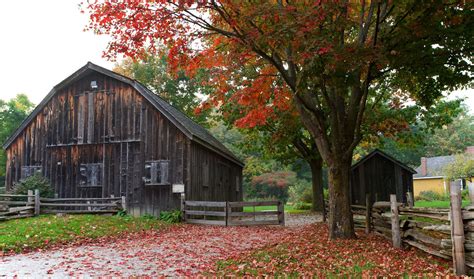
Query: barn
x: 98, y: 133
x: 380, y: 175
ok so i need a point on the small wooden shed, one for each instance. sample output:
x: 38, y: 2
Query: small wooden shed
x: 98, y: 133
x: 380, y: 175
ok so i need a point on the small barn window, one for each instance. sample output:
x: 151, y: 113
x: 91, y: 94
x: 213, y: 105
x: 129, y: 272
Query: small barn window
x: 90, y: 175
x: 27, y: 171
x: 237, y: 184
x: 157, y: 173
x: 205, y: 174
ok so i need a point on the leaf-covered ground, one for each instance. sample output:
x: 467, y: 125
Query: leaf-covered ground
x: 187, y: 250
x: 308, y: 252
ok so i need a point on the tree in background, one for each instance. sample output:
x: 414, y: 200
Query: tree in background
x: 12, y: 114
x: 274, y: 184
x: 179, y: 90
x: 409, y: 133
x: 451, y: 138
x: 327, y: 53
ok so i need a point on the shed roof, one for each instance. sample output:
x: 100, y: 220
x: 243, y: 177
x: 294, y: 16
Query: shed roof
x: 378, y: 152
x: 191, y: 129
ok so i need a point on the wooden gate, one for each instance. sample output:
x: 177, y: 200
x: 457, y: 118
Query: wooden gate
x: 233, y: 213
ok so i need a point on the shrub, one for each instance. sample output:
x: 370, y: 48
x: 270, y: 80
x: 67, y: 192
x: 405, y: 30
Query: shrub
x: 301, y: 192
x: 431, y: 196
x: 171, y: 216
x: 465, y: 195
x: 302, y: 206
x: 36, y: 181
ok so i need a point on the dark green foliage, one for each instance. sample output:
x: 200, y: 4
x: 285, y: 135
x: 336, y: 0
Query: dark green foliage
x: 12, y: 113
x: 36, y: 181
x: 180, y: 91
x: 171, y: 217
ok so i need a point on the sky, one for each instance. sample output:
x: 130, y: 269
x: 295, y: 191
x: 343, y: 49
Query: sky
x: 42, y: 42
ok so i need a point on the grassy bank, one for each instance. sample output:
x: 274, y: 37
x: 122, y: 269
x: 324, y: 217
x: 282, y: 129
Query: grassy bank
x: 46, y: 230
x: 437, y: 204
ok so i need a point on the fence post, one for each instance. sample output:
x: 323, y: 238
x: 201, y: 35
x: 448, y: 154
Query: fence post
x: 30, y: 197
x: 396, y: 238
x: 37, y: 202
x: 183, y: 207
x: 281, y: 213
x: 368, y: 213
x: 410, y: 200
x: 124, y: 203
x: 457, y: 229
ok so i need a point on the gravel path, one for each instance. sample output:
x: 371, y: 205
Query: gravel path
x: 179, y: 251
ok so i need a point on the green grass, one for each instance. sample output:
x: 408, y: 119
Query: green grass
x: 288, y: 209
x: 437, y: 204
x: 38, y: 232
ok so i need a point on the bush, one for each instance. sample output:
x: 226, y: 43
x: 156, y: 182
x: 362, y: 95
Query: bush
x: 465, y: 195
x: 36, y: 181
x: 171, y: 217
x: 431, y: 196
x: 301, y: 192
x: 302, y: 206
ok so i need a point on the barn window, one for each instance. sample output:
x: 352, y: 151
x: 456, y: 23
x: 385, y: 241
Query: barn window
x: 90, y: 175
x: 205, y: 174
x: 157, y: 172
x: 237, y: 184
x: 27, y: 171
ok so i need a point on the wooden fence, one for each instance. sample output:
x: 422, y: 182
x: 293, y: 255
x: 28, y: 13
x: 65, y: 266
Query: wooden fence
x: 22, y: 206
x: 232, y: 213
x: 444, y: 233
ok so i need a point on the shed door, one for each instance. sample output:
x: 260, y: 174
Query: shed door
x: 224, y: 182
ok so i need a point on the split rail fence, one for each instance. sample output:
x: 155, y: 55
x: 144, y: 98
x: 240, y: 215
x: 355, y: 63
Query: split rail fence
x: 232, y: 213
x: 443, y: 233
x: 23, y: 206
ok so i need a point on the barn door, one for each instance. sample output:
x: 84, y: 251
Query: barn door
x: 225, y: 186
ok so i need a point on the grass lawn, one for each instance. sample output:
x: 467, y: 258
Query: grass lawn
x: 436, y: 204
x: 288, y: 209
x: 45, y: 230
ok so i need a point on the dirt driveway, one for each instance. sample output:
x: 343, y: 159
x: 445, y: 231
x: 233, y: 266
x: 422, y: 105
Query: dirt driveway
x: 180, y: 250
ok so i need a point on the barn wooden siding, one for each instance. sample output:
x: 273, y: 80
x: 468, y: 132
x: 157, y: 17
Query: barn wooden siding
x: 380, y: 177
x: 117, y: 127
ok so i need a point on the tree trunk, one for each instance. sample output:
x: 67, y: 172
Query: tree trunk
x: 317, y: 182
x: 341, y: 224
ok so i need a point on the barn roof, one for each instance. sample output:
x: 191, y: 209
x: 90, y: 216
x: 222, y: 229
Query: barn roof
x: 190, y: 128
x: 386, y: 156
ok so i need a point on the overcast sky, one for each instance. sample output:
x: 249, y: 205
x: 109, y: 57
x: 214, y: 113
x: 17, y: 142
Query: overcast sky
x: 42, y: 42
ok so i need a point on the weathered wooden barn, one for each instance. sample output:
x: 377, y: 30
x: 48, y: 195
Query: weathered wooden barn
x: 380, y: 175
x: 98, y: 133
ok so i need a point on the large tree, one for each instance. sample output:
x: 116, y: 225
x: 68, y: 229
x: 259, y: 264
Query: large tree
x: 328, y: 54
x: 12, y: 113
